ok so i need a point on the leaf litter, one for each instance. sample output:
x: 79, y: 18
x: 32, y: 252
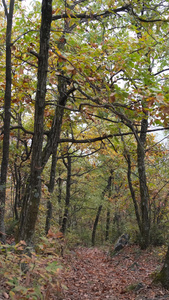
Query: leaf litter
x: 91, y: 274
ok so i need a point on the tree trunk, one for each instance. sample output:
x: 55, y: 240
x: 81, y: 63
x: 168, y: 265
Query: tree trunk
x: 33, y: 192
x: 17, y: 176
x: 127, y: 156
x: 144, y: 204
x: 108, y: 209
x: 95, y: 224
x: 163, y: 276
x: 67, y: 199
x: 52, y: 143
x: 107, y: 188
x: 48, y: 216
x: 60, y: 198
x: 7, y: 108
x: 142, y: 214
x: 107, y: 224
x: 34, y: 187
x: 144, y: 194
x: 17, y: 190
x: 57, y: 123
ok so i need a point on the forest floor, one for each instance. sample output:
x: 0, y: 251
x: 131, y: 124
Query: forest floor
x: 81, y: 274
x: 90, y: 274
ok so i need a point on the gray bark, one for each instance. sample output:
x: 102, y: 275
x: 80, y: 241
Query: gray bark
x: 7, y: 118
x: 67, y: 199
x: 33, y: 193
x: 144, y: 194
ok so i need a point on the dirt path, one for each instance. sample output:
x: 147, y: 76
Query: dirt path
x: 91, y: 274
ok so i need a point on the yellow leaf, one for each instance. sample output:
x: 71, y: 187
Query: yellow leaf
x: 12, y: 295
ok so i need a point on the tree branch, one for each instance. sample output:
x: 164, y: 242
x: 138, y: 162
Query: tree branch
x: 100, y: 138
x: 160, y: 72
x: 5, y: 8
x: 20, y: 36
x: 91, y: 140
x: 86, y: 16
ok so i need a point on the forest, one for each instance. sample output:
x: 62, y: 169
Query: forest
x: 84, y: 151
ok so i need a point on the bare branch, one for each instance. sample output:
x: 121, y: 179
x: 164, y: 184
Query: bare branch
x: 161, y: 72
x: 34, y: 53
x: 22, y: 128
x: 86, y: 16
x: 101, y: 138
x: 20, y: 36
x: 5, y: 8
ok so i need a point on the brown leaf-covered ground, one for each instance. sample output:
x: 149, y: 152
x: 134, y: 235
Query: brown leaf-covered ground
x: 90, y: 274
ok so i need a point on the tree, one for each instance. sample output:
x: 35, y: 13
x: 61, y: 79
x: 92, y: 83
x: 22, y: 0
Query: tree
x: 7, y: 117
x: 33, y: 191
x: 68, y: 166
x: 163, y: 275
x: 107, y: 188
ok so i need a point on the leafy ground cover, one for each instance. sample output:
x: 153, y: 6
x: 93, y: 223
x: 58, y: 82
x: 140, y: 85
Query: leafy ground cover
x: 82, y: 274
x: 93, y: 274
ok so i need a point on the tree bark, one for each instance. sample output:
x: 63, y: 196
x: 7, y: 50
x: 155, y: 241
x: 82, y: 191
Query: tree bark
x: 133, y: 192
x: 144, y: 194
x: 163, y: 276
x: 7, y: 107
x: 67, y: 199
x: 59, y: 198
x: 33, y: 193
x: 95, y: 224
x: 48, y: 216
x: 17, y: 189
x: 107, y: 188
x: 108, y: 209
x: 57, y: 122
x: 142, y: 214
x: 107, y: 224
x: 54, y: 135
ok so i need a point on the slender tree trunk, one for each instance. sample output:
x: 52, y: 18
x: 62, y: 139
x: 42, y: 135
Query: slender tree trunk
x: 107, y: 188
x: 59, y: 112
x: 142, y: 214
x: 95, y: 224
x: 33, y: 193
x: 144, y: 194
x: 133, y: 192
x: 107, y: 224
x: 59, y: 199
x: 48, y: 216
x: 108, y: 209
x: 17, y: 190
x: 53, y: 139
x: 7, y: 107
x: 17, y: 176
x: 67, y: 199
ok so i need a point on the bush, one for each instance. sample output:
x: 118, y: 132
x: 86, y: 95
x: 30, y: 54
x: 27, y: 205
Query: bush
x: 156, y: 236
